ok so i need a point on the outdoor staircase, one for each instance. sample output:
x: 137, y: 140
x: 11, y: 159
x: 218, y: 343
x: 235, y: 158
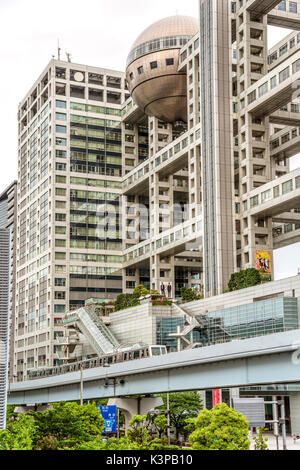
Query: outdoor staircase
x: 96, y: 332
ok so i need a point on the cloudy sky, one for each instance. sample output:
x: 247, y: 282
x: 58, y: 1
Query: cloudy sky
x: 94, y: 32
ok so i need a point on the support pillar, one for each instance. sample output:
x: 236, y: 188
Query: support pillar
x: 135, y: 406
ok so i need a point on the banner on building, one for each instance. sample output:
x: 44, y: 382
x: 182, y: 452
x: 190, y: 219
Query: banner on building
x: 263, y: 261
x: 216, y: 397
x: 166, y: 289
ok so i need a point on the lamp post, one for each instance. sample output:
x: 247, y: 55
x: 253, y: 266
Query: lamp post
x: 81, y: 384
x: 168, y: 417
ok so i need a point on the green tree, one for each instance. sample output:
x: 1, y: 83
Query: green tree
x: 69, y: 423
x: 183, y: 406
x: 137, y: 432
x: 221, y: 428
x: 245, y: 278
x: 260, y: 441
x: 123, y: 301
x: 189, y: 295
x: 19, y: 434
x: 140, y: 291
x: 161, y: 424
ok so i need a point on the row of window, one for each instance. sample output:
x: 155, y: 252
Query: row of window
x: 263, y: 89
x: 284, y: 49
x: 153, y: 66
x: 286, y: 187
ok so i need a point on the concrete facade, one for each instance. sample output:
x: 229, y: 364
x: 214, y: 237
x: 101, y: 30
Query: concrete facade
x: 4, y: 320
x: 109, y: 198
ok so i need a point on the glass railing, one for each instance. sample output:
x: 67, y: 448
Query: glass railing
x: 171, y: 42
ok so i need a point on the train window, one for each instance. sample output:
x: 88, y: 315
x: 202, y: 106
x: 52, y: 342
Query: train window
x: 155, y: 351
x: 136, y: 355
x: 163, y: 350
x: 110, y: 360
x: 125, y: 356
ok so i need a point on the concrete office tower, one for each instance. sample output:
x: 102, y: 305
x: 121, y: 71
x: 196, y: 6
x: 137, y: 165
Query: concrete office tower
x: 8, y: 219
x: 4, y: 320
x: 233, y: 158
x: 69, y: 193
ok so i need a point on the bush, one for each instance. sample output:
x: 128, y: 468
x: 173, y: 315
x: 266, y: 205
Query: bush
x: 221, y: 428
x: 18, y: 435
x: 245, y: 278
x: 190, y: 295
x: 47, y: 443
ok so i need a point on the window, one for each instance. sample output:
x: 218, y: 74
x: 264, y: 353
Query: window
x: 61, y: 129
x: 60, y: 204
x: 59, y: 295
x: 61, y: 166
x: 59, y: 308
x: 130, y: 284
x: 294, y: 108
x: 61, y: 142
x: 282, y: 6
x: 61, y: 104
x: 296, y: 66
x: 287, y: 187
x: 254, y: 201
x: 61, y: 116
x: 276, y: 191
x: 61, y: 179
x: 292, y: 7
x: 273, y: 82
x: 60, y: 230
x: 61, y: 154
x: 169, y: 62
x: 263, y: 89
x: 252, y: 97
x: 283, y: 50
x: 265, y: 196
x: 140, y: 70
x: 60, y: 217
x: 60, y: 192
x: 59, y: 282
x: 59, y: 255
x: 284, y: 75
x: 153, y: 65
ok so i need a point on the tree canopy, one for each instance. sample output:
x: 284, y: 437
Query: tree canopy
x: 183, y: 406
x: 245, y: 278
x: 221, y: 428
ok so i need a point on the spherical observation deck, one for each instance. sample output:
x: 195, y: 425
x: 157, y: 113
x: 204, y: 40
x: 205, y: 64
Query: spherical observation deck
x: 152, y: 74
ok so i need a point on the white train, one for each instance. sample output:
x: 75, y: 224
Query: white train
x: 103, y: 361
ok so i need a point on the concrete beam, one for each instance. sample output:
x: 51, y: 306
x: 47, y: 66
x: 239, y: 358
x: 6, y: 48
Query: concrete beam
x: 284, y: 118
x: 286, y: 239
x: 261, y: 7
x: 258, y: 361
x: 135, y: 406
x: 287, y: 218
x: 284, y: 19
x: 278, y: 96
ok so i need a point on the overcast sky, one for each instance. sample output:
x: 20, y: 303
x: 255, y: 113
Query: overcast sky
x: 95, y: 32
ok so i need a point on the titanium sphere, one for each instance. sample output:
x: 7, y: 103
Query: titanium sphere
x: 152, y: 74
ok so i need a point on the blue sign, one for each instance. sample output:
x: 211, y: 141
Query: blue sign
x: 109, y: 414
